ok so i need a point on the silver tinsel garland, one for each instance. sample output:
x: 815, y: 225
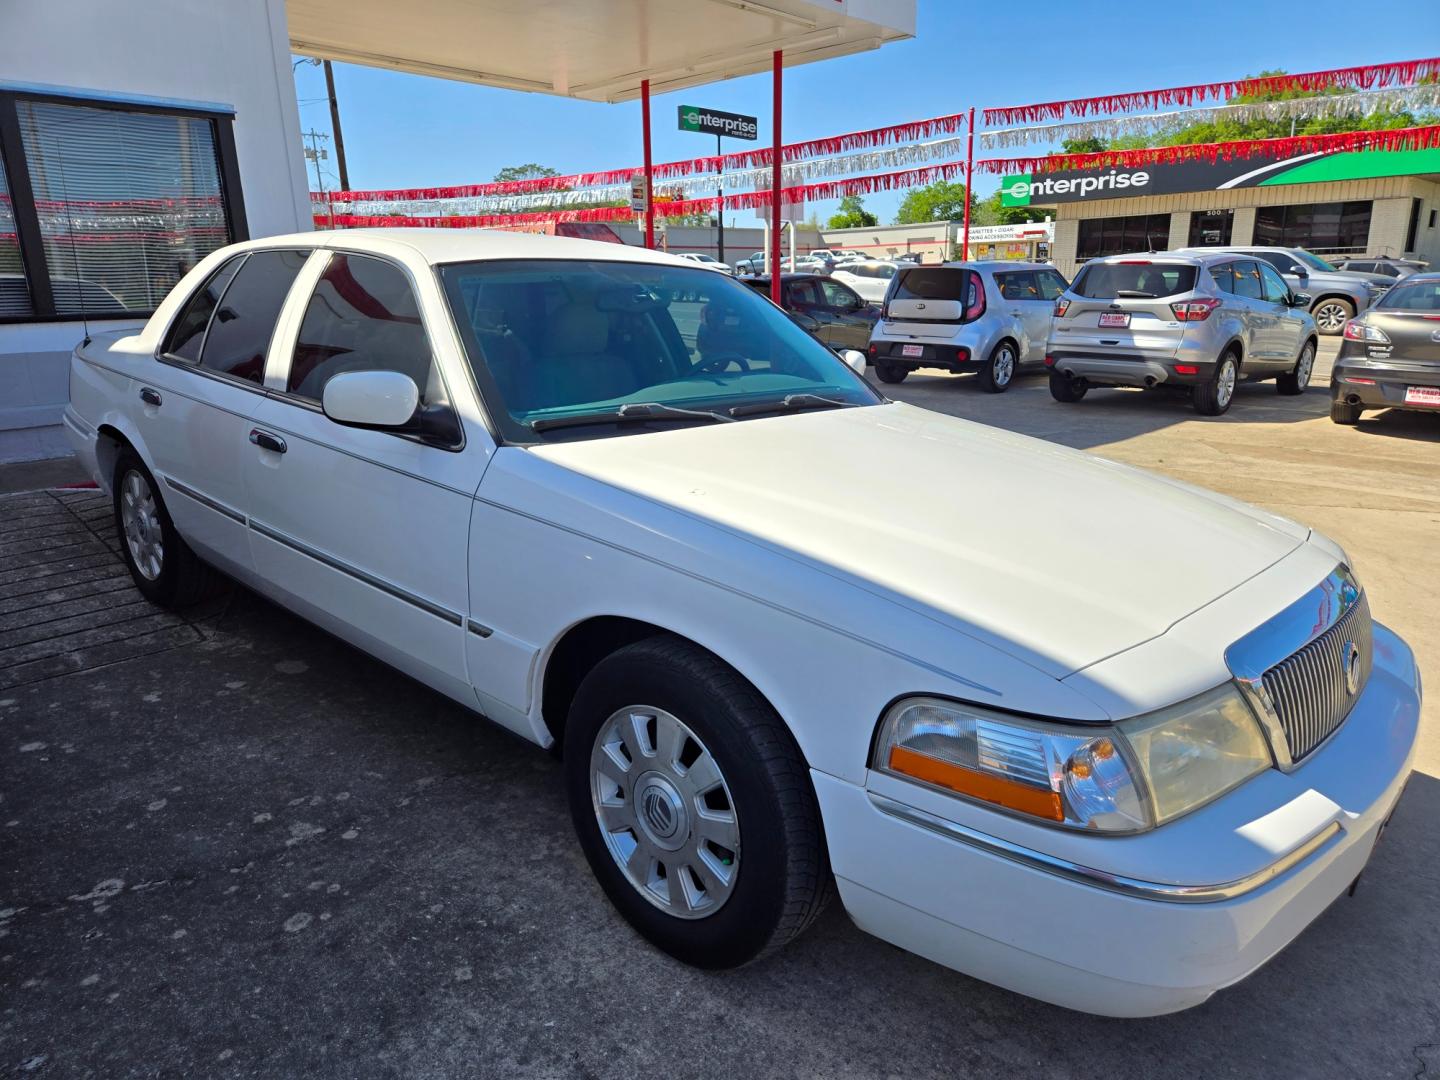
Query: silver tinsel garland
x: 1324, y: 106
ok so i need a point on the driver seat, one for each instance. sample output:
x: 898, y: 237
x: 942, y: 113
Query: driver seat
x: 575, y: 365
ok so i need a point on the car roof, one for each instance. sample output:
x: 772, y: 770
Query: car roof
x: 1200, y: 256
x: 992, y: 265
x: 754, y: 278
x: 439, y: 246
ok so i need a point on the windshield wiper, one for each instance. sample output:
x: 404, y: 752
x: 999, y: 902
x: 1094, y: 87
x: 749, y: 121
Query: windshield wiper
x: 629, y: 413
x: 790, y: 403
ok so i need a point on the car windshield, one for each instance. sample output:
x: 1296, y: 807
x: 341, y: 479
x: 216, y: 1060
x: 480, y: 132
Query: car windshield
x: 1312, y: 261
x: 550, y: 339
x: 1137, y: 279
x: 1412, y: 296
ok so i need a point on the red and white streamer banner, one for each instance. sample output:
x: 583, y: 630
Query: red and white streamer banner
x: 835, y: 144
x: 1415, y: 138
x: 1367, y: 77
x: 747, y: 200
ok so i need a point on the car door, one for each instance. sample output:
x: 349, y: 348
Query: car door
x: 853, y: 318
x: 1286, y: 329
x: 193, y: 409
x: 1052, y: 285
x: 365, y: 531
x: 805, y: 304
x: 1021, y: 294
x: 1259, y: 345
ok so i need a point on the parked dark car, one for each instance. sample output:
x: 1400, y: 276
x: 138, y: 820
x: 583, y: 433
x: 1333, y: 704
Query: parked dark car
x: 828, y: 309
x: 1390, y: 355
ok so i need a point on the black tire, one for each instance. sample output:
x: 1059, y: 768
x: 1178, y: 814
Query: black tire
x: 1212, y: 398
x: 1343, y: 413
x: 183, y: 579
x: 1331, y: 313
x: 890, y: 373
x: 1063, y: 388
x: 1297, y: 378
x: 994, y: 378
x: 782, y: 873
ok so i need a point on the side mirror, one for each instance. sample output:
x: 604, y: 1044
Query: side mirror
x: 377, y: 399
x: 1301, y: 299
x: 1299, y: 271
x: 854, y: 359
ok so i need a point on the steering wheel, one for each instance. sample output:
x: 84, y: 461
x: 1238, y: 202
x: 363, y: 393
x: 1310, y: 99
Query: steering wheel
x: 715, y: 363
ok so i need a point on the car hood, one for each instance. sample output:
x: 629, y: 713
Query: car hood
x: 1056, y: 556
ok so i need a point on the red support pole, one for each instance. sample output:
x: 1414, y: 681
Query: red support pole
x: 969, y: 178
x: 649, y: 170
x: 775, y: 184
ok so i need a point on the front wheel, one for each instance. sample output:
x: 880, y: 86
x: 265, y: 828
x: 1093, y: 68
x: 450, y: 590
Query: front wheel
x: 1331, y: 314
x: 890, y: 373
x: 1213, y: 398
x: 693, y: 805
x: 1063, y: 388
x: 1298, y: 378
x: 999, y: 370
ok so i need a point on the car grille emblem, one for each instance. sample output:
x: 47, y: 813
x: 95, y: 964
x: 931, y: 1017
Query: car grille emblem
x: 1352, y: 667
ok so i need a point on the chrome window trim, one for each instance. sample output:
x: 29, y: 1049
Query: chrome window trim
x: 1281, y: 636
x: 1100, y: 879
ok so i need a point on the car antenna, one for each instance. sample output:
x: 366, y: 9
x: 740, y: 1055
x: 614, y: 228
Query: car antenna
x: 74, y: 251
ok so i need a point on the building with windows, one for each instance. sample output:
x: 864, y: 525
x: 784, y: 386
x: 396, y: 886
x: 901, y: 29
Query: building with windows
x: 1334, y: 204
x: 137, y: 138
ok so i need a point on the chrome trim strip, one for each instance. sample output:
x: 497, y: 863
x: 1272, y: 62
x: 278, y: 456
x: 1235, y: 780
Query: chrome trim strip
x: 359, y: 575
x: 1099, y: 879
x: 203, y: 500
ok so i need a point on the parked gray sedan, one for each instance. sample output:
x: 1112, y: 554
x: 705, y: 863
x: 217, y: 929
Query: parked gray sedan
x: 992, y: 318
x: 1203, y: 321
x: 1390, y: 358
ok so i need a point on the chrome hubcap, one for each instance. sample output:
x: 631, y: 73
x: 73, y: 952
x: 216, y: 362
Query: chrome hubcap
x: 1307, y: 364
x: 1004, y: 366
x: 665, y: 811
x: 1225, y: 389
x: 1330, y: 316
x: 140, y: 518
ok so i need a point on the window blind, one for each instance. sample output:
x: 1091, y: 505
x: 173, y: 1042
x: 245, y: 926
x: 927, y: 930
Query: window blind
x: 128, y: 202
x: 14, y: 292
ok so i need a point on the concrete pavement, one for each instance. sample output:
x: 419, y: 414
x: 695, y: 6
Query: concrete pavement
x: 232, y: 846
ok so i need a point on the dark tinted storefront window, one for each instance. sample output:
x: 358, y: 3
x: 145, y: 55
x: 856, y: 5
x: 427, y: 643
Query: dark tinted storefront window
x: 1211, y: 228
x: 1123, y: 235
x: 1323, y: 227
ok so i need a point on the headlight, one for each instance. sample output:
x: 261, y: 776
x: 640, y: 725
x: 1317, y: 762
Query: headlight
x: 1120, y: 778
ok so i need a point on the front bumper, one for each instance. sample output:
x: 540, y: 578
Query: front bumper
x: 1078, y: 934
x: 1388, y: 381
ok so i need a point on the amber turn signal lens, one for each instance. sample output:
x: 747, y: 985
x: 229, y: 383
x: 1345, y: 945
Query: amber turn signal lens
x: 991, y: 789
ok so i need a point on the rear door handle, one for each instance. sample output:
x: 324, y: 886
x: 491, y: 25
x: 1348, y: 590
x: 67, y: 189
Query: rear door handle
x: 150, y: 397
x: 266, y: 441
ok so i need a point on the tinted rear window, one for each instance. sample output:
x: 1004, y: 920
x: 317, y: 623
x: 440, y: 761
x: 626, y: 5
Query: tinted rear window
x: 1412, y: 296
x: 1136, y: 280
x: 941, y: 283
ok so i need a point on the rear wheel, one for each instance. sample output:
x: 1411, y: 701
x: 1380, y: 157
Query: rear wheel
x: 165, y: 570
x: 1296, y: 380
x: 1213, y: 398
x: 999, y: 370
x: 1331, y: 314
x: 1063, y: 388
x: 693, y: 805
x: 890, y: 373
x: 1342, y: 413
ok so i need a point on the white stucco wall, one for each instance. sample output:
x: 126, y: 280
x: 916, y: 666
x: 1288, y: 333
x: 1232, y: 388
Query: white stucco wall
x: 234, y: 53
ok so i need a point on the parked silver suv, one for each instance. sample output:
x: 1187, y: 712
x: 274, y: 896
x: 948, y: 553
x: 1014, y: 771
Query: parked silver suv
x: 1203, y: 321
x: 1335, y: 295
x: 992, y: 318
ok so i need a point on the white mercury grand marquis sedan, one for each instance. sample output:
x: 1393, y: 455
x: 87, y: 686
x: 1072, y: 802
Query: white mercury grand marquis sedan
x: 621, y: 505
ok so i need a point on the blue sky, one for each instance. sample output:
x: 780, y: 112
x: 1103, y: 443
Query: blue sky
x: 410, y: 131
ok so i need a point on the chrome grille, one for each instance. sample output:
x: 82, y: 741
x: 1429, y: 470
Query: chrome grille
x: 1310, y: 689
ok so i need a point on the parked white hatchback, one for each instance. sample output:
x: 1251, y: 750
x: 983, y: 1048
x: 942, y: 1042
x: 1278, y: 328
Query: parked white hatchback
x: 621, y: 505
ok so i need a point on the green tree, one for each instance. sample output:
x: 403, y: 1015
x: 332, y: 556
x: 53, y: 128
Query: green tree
x: 529, y: 171
x: 944, y: 200
x: 852, y: 215
x: 989, y: 211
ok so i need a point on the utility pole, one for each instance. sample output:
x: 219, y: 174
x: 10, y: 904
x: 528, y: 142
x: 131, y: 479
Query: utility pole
x: 317, y: 153
x: 335, y: 127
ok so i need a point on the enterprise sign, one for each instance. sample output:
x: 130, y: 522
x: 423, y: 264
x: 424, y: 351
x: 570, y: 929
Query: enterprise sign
x: 713, y: 122
x: 1023, y: 189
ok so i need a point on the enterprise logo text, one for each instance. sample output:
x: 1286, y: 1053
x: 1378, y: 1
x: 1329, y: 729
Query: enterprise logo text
x: 1024, y: 189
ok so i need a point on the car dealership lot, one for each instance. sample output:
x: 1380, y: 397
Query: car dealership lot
x: 230, y: 844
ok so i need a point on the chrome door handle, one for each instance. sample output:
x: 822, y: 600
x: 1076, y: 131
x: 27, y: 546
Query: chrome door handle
x: 150, y: 397
x: 266, y: 441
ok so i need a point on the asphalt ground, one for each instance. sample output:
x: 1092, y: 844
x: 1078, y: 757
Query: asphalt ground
x: 232, y: 846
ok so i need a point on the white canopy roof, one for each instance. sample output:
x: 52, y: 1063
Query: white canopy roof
x: 599, y: 50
